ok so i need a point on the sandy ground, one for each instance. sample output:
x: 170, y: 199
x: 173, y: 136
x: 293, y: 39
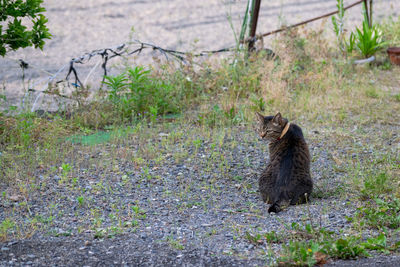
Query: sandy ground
x: 82, y: 26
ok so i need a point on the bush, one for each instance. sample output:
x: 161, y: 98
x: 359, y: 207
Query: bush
x: 135, y: 93
x: 16, y: 35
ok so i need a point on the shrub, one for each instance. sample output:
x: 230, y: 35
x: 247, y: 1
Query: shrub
x: 134, y: 93
x: 16, y: 35
x: 368, y: 40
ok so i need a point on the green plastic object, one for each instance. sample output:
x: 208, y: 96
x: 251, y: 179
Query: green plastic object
x: 90, y: 140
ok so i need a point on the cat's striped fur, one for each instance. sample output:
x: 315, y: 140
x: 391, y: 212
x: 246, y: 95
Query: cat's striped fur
x: 287, y: 179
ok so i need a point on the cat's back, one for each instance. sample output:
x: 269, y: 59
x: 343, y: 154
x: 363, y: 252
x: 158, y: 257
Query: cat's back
x: 292, y: 145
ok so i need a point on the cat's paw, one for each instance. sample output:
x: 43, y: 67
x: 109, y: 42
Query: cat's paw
x: 274, y: 208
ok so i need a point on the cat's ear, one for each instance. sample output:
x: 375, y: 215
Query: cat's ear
x: 277, y: 119
x: 260, y: 118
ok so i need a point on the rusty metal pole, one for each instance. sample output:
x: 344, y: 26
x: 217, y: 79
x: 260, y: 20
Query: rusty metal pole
x: 253, y: 26
x: 370, y: 13
x: 366, y: 12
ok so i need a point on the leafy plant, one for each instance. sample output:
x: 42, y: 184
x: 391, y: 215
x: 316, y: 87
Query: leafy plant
x: 345, y: 248
x: 377, y: 243
x: 255, y: 238
x: 272, y: 237
x: 17, y: 14
x: 385, y: 213
x: 299, y: 253
x: 338, y: 25
x: 375, y: 185
x: 81, y: 200
x: 368, y: 40
x: 321, y: 245
x: 136, y: 94
x: 5, y: 228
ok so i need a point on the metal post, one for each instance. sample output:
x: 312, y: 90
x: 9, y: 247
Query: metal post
x: 366, y: 12
x: 253, y: 26
x: 370, y: 13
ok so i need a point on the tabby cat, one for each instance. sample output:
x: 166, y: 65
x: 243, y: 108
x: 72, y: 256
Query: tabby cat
x: 287, y: 179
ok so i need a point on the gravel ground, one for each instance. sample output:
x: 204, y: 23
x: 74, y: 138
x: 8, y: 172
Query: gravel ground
x: 82, y: 26
x: 192, y: 204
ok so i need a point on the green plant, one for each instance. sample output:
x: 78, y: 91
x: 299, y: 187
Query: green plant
x: 338, y: 25
x: 258, y: 104
x: 321, y: 245
x: 345, y: 248
x: 377, y: 243
x: 255, y: 238
x: 174, y: 243
x: 299, y: 253
x: 16, y: 34
x: 135, y: 94
x: 272, y: 237
x: 139, y: 213
x: 374, y: 185
x: 384, y: 213
x: 81, y: 200
x: 368, y: 40
x: 5, y: 228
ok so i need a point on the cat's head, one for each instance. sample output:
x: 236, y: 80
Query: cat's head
x: 270, y: 127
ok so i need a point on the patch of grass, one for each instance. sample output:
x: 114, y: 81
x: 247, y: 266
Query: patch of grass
x: 175, y: 243
x: 384, y: 213
x: 371, y: 92
x: 322, y: 245
x: 6, y: 228
x: 375, y: 185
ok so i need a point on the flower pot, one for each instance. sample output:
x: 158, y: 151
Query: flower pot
x: 394, y: 55
x: 364, y: 61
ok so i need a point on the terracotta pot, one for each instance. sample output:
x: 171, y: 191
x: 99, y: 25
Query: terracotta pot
x: 394, y: 55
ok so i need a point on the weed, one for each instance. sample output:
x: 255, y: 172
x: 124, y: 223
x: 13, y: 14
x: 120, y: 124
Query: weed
x: 255, y: 238
x: 375, y: 185
x: 6, y: 228
x: 321, y: 245
x: 378, y: 243
x: 368, y: 40
x: 272, y: 237
x: 371, y: 92
x: 81, y: 200
x: 139, y: 213
x: 174, y: 243
x: 136, y: 94
x: 381, y: 214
